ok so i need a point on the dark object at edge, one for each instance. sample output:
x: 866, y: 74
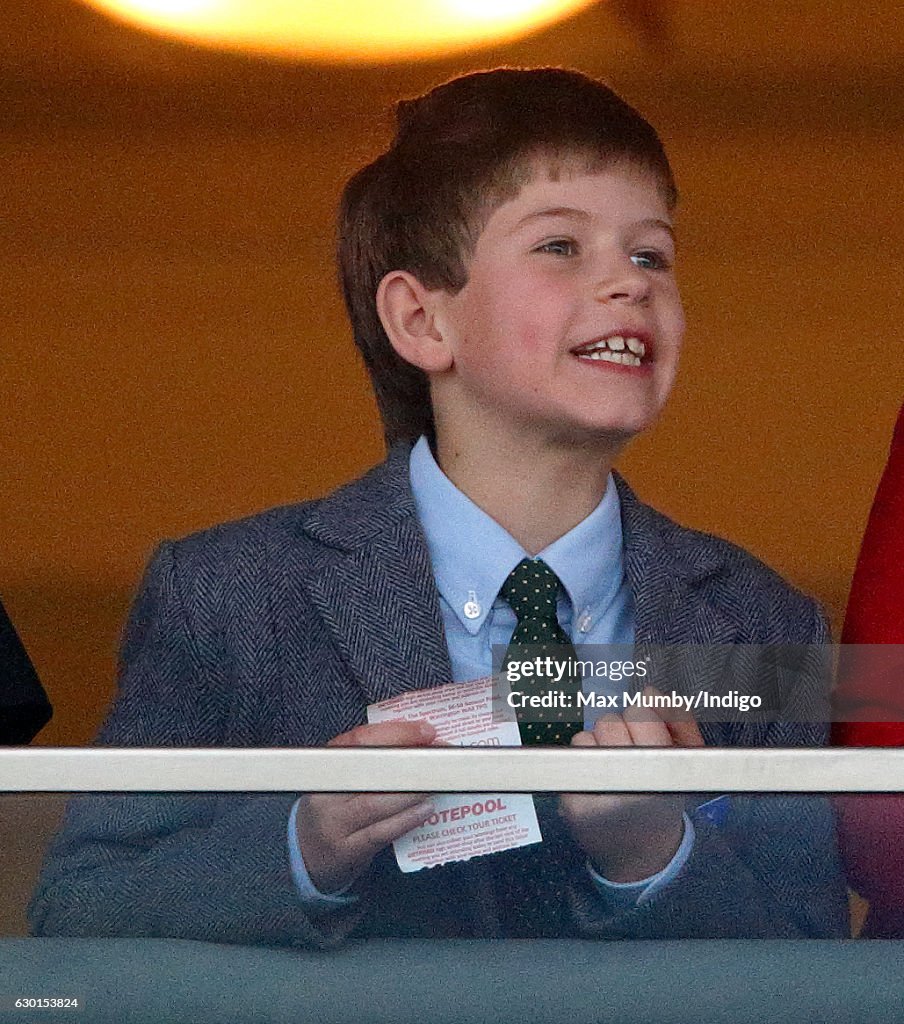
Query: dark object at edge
x: 24, y: 707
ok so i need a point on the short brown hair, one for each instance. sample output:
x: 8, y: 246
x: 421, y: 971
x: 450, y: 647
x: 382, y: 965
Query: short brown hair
x: 459, y: 151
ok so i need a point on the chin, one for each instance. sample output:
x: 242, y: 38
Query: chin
x: 608, y: 438
x: 620, y: 428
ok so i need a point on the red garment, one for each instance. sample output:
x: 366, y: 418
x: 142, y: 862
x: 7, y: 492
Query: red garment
x: 872, y: 687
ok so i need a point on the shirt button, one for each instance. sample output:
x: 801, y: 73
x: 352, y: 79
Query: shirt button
x: 585, y: 622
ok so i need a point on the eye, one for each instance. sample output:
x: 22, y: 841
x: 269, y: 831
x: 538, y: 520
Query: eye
x: 651, y: 259
x: 559, y: 247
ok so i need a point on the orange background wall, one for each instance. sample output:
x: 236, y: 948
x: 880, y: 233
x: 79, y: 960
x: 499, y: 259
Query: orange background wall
x: 174, y: 350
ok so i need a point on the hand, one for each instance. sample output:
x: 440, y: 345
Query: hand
x: 340, y: 833
x: 629, y: 838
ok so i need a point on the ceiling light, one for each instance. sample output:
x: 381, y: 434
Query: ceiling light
x: 346, y: 30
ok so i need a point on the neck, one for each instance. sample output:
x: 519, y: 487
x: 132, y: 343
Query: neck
x: 537, y: 493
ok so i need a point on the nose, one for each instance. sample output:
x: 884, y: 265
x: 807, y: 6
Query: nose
x: 621, y: 280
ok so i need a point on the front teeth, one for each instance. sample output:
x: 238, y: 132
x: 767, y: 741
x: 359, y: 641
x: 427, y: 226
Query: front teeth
x: 625, y: 358
x: 616, y: 346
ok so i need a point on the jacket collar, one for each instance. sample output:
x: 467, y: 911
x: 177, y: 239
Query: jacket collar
x: 374, y: 587
x: 361, y: 512
x: 652, y: 539
x: 664, y: 563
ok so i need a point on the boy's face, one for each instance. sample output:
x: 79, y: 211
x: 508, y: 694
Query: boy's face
x: 569, y: 327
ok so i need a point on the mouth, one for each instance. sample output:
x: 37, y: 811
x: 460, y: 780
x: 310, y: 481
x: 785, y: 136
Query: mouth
x: 622, y: 347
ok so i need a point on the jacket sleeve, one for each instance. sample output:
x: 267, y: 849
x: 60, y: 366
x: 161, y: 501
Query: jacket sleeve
x: 195, y: 866
x: 771, y: 870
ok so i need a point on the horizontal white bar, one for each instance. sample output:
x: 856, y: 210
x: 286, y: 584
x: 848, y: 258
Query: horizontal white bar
x: 621, y: 770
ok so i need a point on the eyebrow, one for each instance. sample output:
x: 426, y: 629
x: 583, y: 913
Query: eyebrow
x: 572, y: 213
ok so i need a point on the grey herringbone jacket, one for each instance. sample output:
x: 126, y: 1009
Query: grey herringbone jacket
x: 280, y: 629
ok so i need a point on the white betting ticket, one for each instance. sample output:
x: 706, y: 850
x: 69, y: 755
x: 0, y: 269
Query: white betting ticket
x: 463, y: 826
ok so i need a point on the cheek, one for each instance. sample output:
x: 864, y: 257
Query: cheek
x: 512, y: 326
x: 679, y: 326
x: 535, y: 319
x: 530, y: 340
x: 504, y: 362
x: 680, y: 319
x: 512, y: 332
x: 674, y: 313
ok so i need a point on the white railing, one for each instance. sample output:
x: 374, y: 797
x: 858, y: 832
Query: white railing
x: 616, y: 770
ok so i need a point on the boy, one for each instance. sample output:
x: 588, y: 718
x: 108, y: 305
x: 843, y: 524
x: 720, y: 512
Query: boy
x: 508, y: 271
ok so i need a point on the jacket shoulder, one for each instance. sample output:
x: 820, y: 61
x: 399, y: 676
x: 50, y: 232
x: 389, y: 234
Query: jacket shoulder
x: 281, y: 524
x: 345, y: 518
x: 233, y: 565
x: 735, y: 577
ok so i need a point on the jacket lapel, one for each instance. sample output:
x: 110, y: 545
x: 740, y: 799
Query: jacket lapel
x: 681, y: 622
x: 670, y: 572
x: 373, y: 585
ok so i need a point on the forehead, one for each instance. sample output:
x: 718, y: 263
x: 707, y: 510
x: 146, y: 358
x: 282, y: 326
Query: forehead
x: 616, y: 191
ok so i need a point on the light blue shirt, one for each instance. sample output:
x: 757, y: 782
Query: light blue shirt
x: 472, y: 556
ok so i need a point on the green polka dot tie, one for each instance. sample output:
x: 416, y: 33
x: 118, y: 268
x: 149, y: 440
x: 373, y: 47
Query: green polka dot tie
x: 531, y: 590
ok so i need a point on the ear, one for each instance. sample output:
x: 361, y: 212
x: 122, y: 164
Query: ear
x: 407, y: 311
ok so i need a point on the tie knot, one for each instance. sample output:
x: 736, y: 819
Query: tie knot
x: 531, y: 590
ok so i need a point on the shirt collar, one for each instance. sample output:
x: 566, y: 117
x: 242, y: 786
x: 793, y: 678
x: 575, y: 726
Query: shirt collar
x: 472, y: 555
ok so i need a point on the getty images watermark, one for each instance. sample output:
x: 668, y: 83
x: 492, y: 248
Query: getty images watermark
x: 551, y: 673
x: 728, y: 683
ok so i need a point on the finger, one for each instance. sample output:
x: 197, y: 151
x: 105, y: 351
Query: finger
x: 387, y: 734
x: 370, y: 840
x: 686, y: 733
x: 646, y: 728
x: 328, y: 805
x: 669, y: 713
x: 583, y: 739
x: 611, y: 731
x: 681, y: 724
x: 371, y: 808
